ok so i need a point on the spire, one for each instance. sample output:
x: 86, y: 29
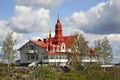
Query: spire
x: 58, y: 32
x: 50, y: 37
x: 50, y: 47
x: 50, y: 34
x: 58, y: 20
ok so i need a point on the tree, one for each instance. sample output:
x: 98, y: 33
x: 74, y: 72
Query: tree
x: 106, y: 53
x: 97, y: 48
x: 103, y: 50
x: 79, y: 49
x: 80, y: 45
x: 8, y: 49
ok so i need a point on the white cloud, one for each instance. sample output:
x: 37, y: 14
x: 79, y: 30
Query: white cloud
x: 4, y: 29
x: 114, y: 37
x: 27, y: 20
x: 77, y: 19
x: 114, y: 42
x: 48, y: 4
x: 30, y: 17
x: 101, y: 19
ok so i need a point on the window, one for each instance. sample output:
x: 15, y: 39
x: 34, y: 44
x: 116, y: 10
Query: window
x: 31, y: 47
x: 63, y: 46
x: 28, y: 57
x: 32, y: 57
x: 51, y: 56
x: 45, y: 57
x: 57, y: 56
x: 36, y: 57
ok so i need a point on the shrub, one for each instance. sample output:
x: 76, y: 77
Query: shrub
x: 46, y: 72
x: 2, y: 64
x: 73, y: 75
x: 97, y: 74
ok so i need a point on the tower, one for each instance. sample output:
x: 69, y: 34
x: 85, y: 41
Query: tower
x: 50, y: 47
x: 58, y: 38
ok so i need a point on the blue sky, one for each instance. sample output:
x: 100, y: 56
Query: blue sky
x: 6, y: 8
x: 65, y: 9
x: 70, y: 6
x: 34, y: 18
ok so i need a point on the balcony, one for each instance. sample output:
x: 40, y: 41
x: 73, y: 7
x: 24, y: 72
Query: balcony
x: 32, y: 51
x: 89, y: 60
x: 55, y: 60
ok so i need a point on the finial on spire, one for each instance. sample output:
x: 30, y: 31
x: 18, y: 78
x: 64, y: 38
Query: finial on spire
x: 58, y: 15
x: 50, y: 34
x: 58, y: 18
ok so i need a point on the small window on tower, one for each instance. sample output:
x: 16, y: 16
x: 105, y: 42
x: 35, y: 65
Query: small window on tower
x: 63, y: 47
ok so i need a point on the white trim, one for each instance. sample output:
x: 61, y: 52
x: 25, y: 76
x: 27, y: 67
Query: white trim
x: 110, y: 65
x: 55, y: 60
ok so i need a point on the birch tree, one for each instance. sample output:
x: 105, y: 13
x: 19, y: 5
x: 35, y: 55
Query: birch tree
x: 103, y: 50
x: 97, y: 48
x: 79, y: 48
x: 106, y: 48
x: 80, y: 45
x: 8, y: 49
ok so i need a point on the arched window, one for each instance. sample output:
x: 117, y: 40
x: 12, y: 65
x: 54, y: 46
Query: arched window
x: 63, y: 46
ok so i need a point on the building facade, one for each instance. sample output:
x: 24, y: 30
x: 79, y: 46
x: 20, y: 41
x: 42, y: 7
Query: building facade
x: 52, y: 50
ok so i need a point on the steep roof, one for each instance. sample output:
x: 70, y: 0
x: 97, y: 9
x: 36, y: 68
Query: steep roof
x: 39, y: 43
x: 36, y: 42
x: 57, y: 40
x: 68, y: 40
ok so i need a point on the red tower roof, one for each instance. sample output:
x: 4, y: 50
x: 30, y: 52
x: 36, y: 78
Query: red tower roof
x: 58, y: 25
x: 50, y: 47
x: 58, y: 32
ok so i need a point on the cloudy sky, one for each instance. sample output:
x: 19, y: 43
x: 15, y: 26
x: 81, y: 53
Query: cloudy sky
x: 31, y: 19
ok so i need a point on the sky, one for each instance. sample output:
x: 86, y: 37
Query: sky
x: 32, y: 19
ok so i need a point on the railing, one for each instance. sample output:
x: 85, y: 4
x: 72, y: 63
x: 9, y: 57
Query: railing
x: 32, y: 51
x: 55, y: 60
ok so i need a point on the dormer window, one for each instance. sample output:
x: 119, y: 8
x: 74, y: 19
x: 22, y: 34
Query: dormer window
x: 63, y: 46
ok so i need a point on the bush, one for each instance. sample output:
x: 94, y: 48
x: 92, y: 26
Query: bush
x: 46, y: 73
x: 12, y: 64
x: 73, y: 75
x: 2, y: 64
x: 115, y: 73
x: 97, y: 74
